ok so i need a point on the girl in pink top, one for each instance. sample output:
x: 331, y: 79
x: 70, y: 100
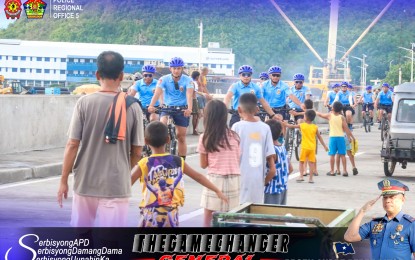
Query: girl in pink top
x: 220, y: 154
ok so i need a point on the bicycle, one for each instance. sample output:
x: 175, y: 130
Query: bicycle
x: 146, y: 149
x: 172, y: 146
x: 384, y: 124
x: 293, y: 139
x: 367, y: 121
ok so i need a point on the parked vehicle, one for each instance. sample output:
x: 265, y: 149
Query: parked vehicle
x: 399, y: 143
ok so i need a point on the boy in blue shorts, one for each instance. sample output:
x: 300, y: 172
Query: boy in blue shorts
x: 337, y: 144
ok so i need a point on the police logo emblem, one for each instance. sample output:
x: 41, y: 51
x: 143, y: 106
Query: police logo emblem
x: 399, y: 228
x: 181, y: 88
x: 252, y: 92
x: 154, y: 90
x: 301, y: 94
x: 386, y: 183
x: 278, y: 91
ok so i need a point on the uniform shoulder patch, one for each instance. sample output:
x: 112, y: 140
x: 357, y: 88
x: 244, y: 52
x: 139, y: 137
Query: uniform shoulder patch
x: 409, y: 218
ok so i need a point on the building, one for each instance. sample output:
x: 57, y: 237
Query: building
x: 41, y: 63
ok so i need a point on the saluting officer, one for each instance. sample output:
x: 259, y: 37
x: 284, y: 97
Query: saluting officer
x: 391, y: 236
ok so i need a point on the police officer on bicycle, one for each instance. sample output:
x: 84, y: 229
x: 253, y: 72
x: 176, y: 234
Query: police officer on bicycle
x: 331, y: 96
x: 346, y: 98
x: 145, y: 88
x: 301, y: 92
x: 367, y: 99
x: 177, y: 89
x: 244, y: 85
x: 384, y: 101
x: 276, y: 91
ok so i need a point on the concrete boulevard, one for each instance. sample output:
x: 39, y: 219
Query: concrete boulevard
x: 33, y: 203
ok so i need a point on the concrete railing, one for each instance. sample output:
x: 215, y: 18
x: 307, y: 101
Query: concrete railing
x: 38, y: 122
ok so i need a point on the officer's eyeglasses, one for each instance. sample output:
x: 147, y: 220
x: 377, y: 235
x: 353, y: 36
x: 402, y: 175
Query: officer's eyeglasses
x: 298, y: 82
x: 276, y: 75
x: 176, y: 85
x: 246, y: 75
x: 148, y: 75
x: 263, y: 78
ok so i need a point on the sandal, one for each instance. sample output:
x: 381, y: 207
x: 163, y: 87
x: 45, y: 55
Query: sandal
x: 315, y: 174
x: 330, y: 174
x: 299, y: 180
x: 337, y: 172
x: 310, y: 181
x: 355, y: 172
x: 345, y: 174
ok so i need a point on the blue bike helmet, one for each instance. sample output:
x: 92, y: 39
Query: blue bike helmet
x: 274, y: 69
x: 350, y: 86
x: 369, y: 87
x: 298, y: 76
x: 263, y: 75
x: 176, y: 62
x: 335, y: 85
x: 385, y: 85
x: 149, y: 69
x: 245, y: 68
x: 344, y: 83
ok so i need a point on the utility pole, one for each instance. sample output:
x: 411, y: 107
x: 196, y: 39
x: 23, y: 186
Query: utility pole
x: 200, y: 43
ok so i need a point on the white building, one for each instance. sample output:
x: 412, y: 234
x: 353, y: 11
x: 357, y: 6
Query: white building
x: 39, y: 63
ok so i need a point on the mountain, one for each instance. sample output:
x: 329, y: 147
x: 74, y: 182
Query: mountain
x: 255, y: 31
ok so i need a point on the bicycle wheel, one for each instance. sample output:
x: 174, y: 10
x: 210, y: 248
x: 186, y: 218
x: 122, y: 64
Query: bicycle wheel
x: 298, y: 145
x: 369, y: 123
x: 173, y: 141
x: 366, y: 123
x: 289, y: 142
x: 382, y: 129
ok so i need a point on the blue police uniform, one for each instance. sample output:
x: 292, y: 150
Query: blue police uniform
x: 300, y: 94
x: 390, y: 238
x: 332, y: 97
x: 238, y: 89
x: 146, y: 92
x: 385, y: 101
x: 175, y: 96
x: 346, y: 98
x: 368, y: 101
x: 275, y: 95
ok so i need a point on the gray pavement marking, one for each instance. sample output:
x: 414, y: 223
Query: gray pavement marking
x: 7, y: 186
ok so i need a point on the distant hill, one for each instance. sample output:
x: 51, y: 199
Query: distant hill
x: 254, y: 30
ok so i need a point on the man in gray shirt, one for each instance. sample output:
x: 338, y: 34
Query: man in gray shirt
x: 100, y: 161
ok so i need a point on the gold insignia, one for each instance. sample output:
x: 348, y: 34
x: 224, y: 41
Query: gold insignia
x: 386, y: 183
x: 399, y: 228
x: 377, y: 228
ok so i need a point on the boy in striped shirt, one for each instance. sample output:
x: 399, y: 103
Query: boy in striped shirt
x: 276, y: 190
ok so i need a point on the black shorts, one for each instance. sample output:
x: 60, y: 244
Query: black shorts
x: 369, y: 106
x: 387, y: 108
x: 299, y: 116
x: 348, y: 108
x: 178, y: 118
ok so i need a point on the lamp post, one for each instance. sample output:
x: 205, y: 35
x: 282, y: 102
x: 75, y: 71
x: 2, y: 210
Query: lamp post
x: 390, y: 64
x: 412, y: 59
x: 200, y: 43
x: 345, y: 63
x: 362, y: 69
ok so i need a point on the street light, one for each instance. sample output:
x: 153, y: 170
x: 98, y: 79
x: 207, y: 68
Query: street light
x: 345, y: 62
x: 390, y: 64
x: 362, y: 69
x: 412, y: 59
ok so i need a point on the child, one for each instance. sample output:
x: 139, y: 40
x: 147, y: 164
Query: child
x: 257, y: 150
x: 309, y: 132
x: 161, y: 175
x: 219, y: 153
x: 276, y: 190
x: 338, y: 127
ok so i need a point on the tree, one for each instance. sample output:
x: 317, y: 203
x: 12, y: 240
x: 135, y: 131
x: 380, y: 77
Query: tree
x: 392, y: 76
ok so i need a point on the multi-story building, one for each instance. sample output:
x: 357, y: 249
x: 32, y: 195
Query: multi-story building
x: 39, y: 63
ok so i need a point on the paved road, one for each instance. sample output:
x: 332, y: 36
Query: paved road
x: 33, y: 203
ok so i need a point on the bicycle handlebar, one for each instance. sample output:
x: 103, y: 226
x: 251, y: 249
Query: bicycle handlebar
x: 170, y: 110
